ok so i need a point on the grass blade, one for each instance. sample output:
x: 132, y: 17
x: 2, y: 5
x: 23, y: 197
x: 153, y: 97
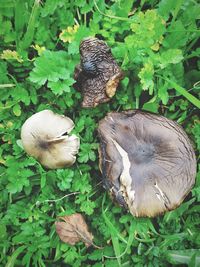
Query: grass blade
x: 28, y: 38
x: 184, y: 93
x: 12, y: 259
x: 110, y: 225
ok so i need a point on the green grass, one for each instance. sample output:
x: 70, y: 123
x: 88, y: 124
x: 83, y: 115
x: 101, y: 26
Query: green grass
x: 156, y: 44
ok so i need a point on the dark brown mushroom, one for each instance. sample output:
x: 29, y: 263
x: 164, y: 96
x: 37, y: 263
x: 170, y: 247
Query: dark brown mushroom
x: 98, y: 74
x: 147, y: 161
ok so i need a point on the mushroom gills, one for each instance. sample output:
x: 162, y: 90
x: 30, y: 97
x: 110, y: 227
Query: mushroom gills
x: 162, y: 196
x: 52, y: 145
x: 147, y: 161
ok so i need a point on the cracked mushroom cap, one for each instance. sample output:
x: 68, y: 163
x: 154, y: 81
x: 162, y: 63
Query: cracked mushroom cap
x: 147, y: 161
x: 98, y: 74
x: 45, y: 136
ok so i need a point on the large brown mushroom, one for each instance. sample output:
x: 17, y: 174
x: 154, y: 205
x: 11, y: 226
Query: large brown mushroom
x: 45, y: 136
x: 98, y: 74
x: 147, y: 161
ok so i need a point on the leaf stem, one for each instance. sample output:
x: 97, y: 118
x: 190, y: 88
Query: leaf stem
x: 2, y: 86
x: 109, y: 16
x: 56, y: 200
x: 137, y: 103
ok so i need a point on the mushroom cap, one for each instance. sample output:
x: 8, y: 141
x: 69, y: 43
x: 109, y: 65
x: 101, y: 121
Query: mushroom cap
x: 45, y: 137
x: 91, y: 45
x: 147, y: 161
x: 97, y: 75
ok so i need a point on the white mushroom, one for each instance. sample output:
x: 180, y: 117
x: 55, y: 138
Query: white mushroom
x: 45, y: 136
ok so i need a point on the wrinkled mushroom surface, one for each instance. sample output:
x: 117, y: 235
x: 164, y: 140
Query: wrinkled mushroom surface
x: 147, y: 161
x: 98, y: 74
x: 45, y: 136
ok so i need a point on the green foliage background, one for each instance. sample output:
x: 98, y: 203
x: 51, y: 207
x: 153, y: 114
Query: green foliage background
x: 156, y: 43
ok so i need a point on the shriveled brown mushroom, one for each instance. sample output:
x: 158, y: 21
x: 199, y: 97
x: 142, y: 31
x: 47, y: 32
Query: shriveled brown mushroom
x: 45, y: 136
x: 147, y: 161
x: 98, y: 74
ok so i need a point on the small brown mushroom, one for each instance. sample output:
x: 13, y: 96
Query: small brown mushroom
x: 45, y: 136
x: 98, y: 74
x: 147, y: 161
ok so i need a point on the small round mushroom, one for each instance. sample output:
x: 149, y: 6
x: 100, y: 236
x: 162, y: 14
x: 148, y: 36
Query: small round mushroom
x: 45, y: 136
x: 98, y: 74
x: 147, y: 161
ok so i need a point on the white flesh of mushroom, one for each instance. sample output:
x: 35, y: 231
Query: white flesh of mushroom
x: 125, y: 178
x: 45, y: 136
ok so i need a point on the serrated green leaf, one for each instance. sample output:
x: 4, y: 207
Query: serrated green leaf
x: 17, y: 110
x: 61, y: 86
x: 146, y: 77
x: 52, y: 67
x: 163, y: 93
x: 171, y: 56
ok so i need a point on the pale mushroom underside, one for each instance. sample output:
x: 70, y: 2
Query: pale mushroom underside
x: 46, y: 136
